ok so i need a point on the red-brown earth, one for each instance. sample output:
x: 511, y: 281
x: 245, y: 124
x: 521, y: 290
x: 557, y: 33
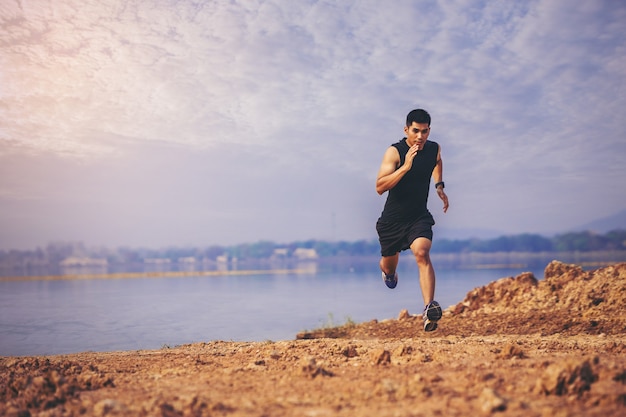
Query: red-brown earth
x: 516, y: 347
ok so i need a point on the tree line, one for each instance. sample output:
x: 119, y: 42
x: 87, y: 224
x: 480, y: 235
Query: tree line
x: 568, y: 242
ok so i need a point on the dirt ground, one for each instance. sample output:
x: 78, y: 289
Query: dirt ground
x: 516, y: 347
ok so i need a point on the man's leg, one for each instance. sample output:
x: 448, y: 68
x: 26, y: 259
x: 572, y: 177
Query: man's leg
x: 421, y: 250
x: 432, y: 310
x: 388, y: 264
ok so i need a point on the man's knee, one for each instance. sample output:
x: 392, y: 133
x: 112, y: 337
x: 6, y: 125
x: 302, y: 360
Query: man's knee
x: 422, y: 255
x: 421, y: 250
x: 390, y: 260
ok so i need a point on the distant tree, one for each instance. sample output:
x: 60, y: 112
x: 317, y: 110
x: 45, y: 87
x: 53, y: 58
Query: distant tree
x: 343, y: 248
x: 616, y: 239
x: 261, y: 249
x: 580, y: 241
x: 364, y: 247
x: 325, y: 249
x: 58, y: 251
x: 450, y: 246
x: 128, y: 256
x: 213, y: 252
x: 530, y: 243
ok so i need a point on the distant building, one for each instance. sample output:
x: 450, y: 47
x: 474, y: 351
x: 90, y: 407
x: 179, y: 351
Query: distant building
x: 280, y: 253
x: 187, y: 260
x: 305, y: 254
x: 73, y: 261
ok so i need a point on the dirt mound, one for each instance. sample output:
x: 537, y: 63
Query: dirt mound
x: 33, y: 383
x: 568, y: 301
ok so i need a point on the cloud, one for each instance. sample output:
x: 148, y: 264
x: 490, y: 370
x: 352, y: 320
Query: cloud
x: 295, y: 102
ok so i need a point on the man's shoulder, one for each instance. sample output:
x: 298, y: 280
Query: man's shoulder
x: 400, y: 146
x: 401, y: 143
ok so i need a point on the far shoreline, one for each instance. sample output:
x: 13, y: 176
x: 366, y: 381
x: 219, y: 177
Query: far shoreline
x: 151, y: 274
x: 255, y: 267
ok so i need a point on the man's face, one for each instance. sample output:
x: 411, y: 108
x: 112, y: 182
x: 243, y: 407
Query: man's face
x: 417, y: 133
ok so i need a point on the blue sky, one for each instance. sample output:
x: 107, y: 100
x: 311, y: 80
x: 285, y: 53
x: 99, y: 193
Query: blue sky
x: 158, y: 123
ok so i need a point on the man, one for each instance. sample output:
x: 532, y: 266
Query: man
x: 405, y: 222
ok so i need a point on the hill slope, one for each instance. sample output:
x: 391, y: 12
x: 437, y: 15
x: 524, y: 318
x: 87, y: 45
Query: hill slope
x: 568, y: 300
x: 606, y: 224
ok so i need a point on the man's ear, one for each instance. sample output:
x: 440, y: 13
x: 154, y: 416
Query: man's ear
x: 406, y: 130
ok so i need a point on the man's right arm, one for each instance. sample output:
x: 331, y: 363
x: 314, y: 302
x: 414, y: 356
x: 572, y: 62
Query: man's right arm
x: 389, y: 174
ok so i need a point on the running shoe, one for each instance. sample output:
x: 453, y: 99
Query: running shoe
x: 432, y: 314
x: 391, y: 280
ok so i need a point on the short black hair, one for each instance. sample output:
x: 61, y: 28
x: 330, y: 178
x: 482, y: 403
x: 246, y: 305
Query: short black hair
x: 417, y: 116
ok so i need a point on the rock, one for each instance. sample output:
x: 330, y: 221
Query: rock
x: 511, y: 351
x: 380, y: 357
x: 566, y: 378
x: 108, y: 407
x: 12, y: 411
x: 305, y: 335
x: 311, y: 369
x: 403, y: 350
x: 497, y: 293
x: 275, y: 355
x: 490, y: 401
x: 350, y: 351
x: 558, y: 274
x: 404, y: 315
x: 556, y: 269
x: 388, y: 386
x: 620, y: 377
x: 168, y: 410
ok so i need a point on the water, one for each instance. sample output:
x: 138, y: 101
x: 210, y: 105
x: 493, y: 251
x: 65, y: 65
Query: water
x: 56, y: 317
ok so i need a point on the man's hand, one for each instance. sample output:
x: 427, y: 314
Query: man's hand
x: 442, y: 195
x: 410, y: 155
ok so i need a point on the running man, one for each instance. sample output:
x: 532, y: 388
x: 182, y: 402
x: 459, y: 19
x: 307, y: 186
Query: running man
x: 405, y: 222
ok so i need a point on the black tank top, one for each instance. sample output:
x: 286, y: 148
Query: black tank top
x: 407, y: 201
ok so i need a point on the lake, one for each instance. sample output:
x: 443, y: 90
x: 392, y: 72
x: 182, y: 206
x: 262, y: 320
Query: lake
x: 68, y: 316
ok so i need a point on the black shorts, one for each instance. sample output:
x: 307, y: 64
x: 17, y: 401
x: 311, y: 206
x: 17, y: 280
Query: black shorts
x: 394, y: 237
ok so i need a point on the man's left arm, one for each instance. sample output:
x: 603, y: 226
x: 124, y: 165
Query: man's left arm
x: 438, y: 178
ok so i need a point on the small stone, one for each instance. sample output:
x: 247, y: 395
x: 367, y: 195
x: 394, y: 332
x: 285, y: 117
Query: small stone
x: 350, y: 351
x: 490, y: 401
x: 566, y: 378
x: 511, y: 351
x: 380, y: 357
x: 311, y: 369
x: 404, y: 315
x: 108, y: 406
x: 403, y: 350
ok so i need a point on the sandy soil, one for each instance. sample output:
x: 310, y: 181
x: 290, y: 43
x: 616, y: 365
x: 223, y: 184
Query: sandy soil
x: 516, y: 347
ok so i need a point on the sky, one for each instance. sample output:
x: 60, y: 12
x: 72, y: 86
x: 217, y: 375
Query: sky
x: 197, y: 123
